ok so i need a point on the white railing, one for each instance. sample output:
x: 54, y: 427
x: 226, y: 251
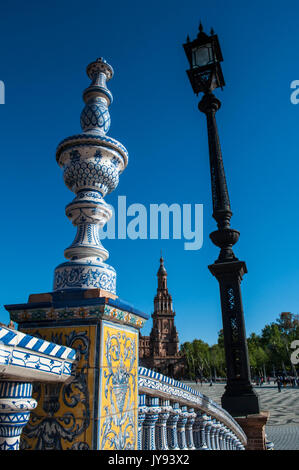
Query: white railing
x: 173, y: 416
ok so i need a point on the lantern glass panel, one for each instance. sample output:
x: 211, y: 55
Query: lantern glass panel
x: 203, y: 55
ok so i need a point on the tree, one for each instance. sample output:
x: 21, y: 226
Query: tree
x: 217, y: 359
x: 287, y: 322
x: 268, y: 351
x: 204, y: 360
x: 221, y: 339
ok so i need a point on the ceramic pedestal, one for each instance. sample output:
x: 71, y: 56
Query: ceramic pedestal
x: 99, y: 408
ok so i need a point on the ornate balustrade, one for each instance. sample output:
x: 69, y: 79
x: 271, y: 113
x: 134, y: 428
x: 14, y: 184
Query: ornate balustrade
x: 173, y: 416
x: 25, y: 359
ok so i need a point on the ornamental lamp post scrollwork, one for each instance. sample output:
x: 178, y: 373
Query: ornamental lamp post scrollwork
x: 205, y: 75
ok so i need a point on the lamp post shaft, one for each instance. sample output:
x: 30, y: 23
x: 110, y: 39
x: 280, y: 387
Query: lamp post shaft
x: 239, y: 397
x: 221, y: 203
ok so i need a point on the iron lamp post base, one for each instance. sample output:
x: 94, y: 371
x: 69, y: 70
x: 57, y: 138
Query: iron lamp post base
x: 241, y: 405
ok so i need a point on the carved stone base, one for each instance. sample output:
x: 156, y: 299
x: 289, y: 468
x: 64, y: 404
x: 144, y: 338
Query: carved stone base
x: 254, y: 428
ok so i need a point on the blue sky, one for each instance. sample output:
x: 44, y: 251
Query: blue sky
x: 45, y: 48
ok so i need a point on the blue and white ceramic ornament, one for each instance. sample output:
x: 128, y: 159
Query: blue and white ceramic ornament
x: 91, y: 163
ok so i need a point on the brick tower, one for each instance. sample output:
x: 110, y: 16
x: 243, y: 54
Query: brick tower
x: 160, y: 350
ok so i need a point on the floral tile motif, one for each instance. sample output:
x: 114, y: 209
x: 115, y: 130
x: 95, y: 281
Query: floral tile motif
x: 119, y: 388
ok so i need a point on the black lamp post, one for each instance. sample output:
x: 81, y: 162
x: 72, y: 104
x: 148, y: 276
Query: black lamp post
x: 205, y: 74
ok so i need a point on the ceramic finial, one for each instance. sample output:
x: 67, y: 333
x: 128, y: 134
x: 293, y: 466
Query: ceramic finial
x: 92, y: 164
x: 95, y: 117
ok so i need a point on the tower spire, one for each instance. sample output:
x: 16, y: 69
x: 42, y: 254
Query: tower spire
x: 162, y: 275
x: 163, y: 300
x: 164, y: 335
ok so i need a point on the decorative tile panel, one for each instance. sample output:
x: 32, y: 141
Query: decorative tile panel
x: 74, y: 313
x: 119, y: 388
x: 63, y: 418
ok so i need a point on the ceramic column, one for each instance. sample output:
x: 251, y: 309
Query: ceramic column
x: 238, y: 445
x: 225, y: 438
x: 213, y: 434
x: 171, y: 427
x: 230, y: 440
x: 161, y: 434
x: 181, y: 427
x: 208, y: 432
x: 149, y: 424
x: 203, y: 421
x: 196, y: 430
x: 16, y: 403
x: 217, y: 435
x: 142, y: 410
x: 189, y: 429
x: 221, y: 437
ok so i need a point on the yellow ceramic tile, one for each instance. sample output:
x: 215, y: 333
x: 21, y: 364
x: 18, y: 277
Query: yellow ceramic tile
x: 118, y: 432
x: 79, y: 337
x: 119, y: 396
x: 98, y: 409
x: 118, y: 342
x: 118, y: 385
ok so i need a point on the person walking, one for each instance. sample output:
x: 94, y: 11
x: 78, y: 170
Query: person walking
x: 279, y: 384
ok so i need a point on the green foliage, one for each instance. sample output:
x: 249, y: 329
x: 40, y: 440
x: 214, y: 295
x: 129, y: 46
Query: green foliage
x: 268, y: 352
x: 204, y: 360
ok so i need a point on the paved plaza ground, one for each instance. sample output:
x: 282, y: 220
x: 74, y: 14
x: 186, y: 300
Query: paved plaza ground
x: 283, y: 425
